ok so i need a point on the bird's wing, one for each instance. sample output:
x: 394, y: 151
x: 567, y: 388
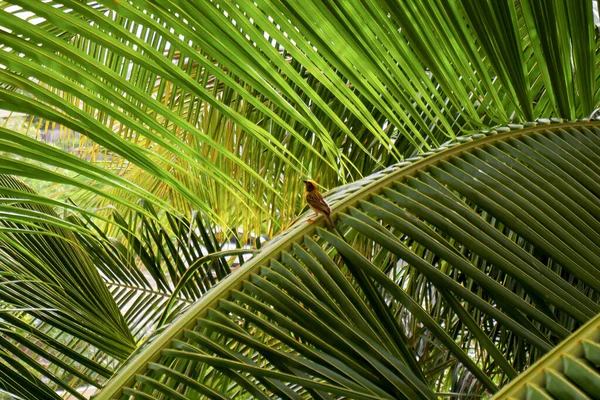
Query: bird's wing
x: 316, y: 201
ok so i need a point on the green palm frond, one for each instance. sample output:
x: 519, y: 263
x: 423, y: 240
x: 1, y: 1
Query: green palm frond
x: 40, y: 360
x: 154, y: 272
x: 450, y: 275
x: 60, y: 323
x: 46, y: 269
x: 456, y: 264
x: 224, y: 107
x: 76, y: 302
x: 568, y: 371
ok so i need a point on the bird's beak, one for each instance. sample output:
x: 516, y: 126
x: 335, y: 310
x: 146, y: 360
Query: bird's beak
x: 305, y: 181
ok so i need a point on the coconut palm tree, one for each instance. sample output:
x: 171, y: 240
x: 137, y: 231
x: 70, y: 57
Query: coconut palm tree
x: 225, y: 108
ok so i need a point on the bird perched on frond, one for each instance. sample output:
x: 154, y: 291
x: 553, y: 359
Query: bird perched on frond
x: 316, y: 201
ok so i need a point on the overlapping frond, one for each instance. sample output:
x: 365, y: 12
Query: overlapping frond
x: 59, y: 322
x: 224, y: 107
x: 74, y: 302
x: 569, y: 370
x: 440, y: 276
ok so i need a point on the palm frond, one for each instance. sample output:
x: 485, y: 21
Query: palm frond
x: 454, y: 265
x: 155, y: 272
x: 224, y: 108
x: 565, y: 371
x: 61, y: 278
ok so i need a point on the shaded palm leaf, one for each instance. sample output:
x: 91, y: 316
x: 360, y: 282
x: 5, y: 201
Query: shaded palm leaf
x: 568, y: 370
x: 55, y: 273
x: 45, y: 268
x: 156, y: 272
x: 60, y: 326
x: 477, y: 254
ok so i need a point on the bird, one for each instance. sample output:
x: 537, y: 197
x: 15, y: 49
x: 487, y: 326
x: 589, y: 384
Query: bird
x: 316, y: 201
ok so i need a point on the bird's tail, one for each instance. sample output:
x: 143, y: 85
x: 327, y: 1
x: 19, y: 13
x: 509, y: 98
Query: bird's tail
x: 328, y: 217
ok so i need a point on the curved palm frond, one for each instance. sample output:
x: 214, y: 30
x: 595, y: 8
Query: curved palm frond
x: 46, y: 269
x: 210, y: 104
x: 566, y: 371
x: 440, y: 275
x: 41, y: 360
x: 60, y: 326
x: 75, y: 303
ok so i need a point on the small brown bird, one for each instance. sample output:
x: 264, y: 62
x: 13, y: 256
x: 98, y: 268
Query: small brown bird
x: 316, y: 201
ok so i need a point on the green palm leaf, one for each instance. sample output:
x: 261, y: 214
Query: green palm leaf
x: 48, y: 256
x: 474, y: 255
x: 60, y: 279
x: 196, y: 102
x: 438, y: 281
x: 60, y: 323
x: 567, y: 371
x: 155, y: 272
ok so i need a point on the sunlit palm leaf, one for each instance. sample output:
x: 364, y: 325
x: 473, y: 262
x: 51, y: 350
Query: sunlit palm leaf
x: 197, y: 101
